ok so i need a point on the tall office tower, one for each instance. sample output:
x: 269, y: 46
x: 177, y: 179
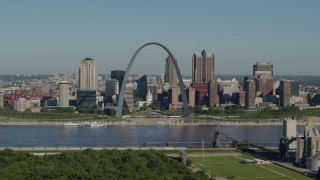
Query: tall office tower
x: 295, y: 88
x: 109, y: 92
x: 128, y: 96
x: 63, y: 94
x: 250, y: 90
x: 87, y: 74
x: 263, y: 76
x: 118, y: 75
x: 202, y: 72
x: 202, y: 67
x: 170, y: 75
x: 285, y: 92
x: 142, y: 87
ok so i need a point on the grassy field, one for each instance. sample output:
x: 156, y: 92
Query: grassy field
x: 233, y: 168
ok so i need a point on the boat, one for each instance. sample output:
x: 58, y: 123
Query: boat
x: 71, y: 124
x: 97, y: 124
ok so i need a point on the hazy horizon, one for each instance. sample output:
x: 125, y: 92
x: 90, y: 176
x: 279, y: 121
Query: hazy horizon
x: 39, y: 37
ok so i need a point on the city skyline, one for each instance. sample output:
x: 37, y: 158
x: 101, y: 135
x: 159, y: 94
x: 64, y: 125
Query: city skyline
x: 40, y: 36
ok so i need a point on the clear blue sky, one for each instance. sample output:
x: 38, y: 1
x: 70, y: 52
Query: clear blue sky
x: 54, y: 36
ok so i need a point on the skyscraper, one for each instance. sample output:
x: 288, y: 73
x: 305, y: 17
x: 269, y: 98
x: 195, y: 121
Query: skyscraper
x: 87, y: 74
x: 285, y: 92
x: 142, y: 87
x: 263, y: 76
x: 250, y: 93
x: 64, y: 94
x: 203, y: 72
x: 170, y: 75
x: 118, y: 75
x: 203, y: 67
x: 109, y: 92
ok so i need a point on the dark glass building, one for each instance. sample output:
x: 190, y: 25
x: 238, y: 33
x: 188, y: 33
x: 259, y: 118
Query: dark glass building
x: 118, y: 75
x: 86, y: 97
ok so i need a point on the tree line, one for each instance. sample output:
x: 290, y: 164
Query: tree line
x: 90, y: 164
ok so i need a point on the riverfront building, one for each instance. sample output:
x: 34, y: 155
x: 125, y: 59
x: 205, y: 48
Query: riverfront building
x: 86, y: 97
x: 64, y: 94
x: 87, y: 74
x: 21, y: 104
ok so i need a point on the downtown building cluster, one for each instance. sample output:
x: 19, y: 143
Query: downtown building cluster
x: 87, y: 89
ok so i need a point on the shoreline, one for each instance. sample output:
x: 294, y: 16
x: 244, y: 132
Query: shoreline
x: 149, y: 124
x: 159, y: 122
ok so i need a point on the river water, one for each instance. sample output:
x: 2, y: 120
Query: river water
x: 127, y: 136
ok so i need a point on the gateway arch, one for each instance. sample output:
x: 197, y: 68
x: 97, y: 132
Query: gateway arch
x: 186, y: 112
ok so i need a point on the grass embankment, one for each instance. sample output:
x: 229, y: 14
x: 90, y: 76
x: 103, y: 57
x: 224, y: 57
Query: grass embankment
x: 232, y: 167
x: 264, y: 114
x: 51, y: 117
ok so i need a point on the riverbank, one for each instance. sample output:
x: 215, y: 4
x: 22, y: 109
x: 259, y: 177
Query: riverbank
x: 158, y: 121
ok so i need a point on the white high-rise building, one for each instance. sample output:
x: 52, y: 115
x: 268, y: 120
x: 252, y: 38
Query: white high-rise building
x: 64, y: 94
x: 87, y: 74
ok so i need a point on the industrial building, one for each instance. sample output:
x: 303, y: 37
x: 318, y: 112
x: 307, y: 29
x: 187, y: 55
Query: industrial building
x: 302, y: 149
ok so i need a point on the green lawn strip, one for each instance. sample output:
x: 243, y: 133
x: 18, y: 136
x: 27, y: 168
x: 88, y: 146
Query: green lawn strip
x: 238, y: 170
x: 286, y: 171
x: 229, y: 166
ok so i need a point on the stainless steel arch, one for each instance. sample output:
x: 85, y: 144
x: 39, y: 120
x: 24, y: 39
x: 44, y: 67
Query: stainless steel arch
x: 186, y: 111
